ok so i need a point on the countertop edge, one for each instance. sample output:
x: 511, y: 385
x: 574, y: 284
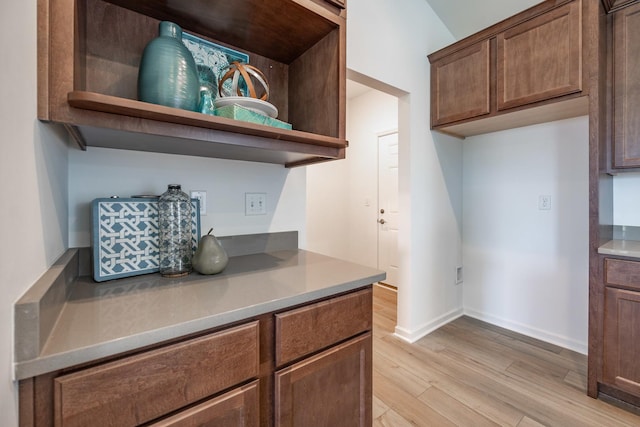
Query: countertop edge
x: 622, y: 248
x: 48, y: 363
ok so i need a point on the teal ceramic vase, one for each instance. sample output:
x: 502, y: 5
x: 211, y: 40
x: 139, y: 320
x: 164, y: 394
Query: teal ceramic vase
x: 167, y: 73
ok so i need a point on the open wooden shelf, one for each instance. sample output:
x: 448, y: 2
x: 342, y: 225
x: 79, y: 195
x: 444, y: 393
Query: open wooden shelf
x: 88, y: 57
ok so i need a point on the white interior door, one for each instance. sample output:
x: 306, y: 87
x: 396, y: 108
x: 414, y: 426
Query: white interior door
x: 388, y: 206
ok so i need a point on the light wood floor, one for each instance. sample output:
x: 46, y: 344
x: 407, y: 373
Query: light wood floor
x: 469, y: 373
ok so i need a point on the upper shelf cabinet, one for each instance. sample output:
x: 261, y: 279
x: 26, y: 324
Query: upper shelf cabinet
x: 89, y: 52
x: 527, y: 69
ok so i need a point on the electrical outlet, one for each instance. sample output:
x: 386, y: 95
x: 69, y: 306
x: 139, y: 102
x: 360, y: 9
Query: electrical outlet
x: 544, y: 203
x: 458, y: 275
x: 255, y: 203
x: 202, y: 196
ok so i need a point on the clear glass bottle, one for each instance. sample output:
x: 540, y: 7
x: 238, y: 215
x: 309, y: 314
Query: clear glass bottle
x: 174, y: 228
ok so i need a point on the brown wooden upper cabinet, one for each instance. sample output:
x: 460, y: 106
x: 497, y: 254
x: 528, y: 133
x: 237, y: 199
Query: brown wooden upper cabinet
x: 540, y: 58
x: 461, y: 85
x: 626, y: 87
x: 89, y: 52
x: 514, y: 73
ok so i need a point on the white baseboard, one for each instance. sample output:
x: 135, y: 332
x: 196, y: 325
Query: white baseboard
x: 550, y: 337
x: 427, y: 328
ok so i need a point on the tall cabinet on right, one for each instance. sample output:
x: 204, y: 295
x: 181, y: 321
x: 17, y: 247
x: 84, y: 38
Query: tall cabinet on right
x: 626, y: 86
x: 614, y: 333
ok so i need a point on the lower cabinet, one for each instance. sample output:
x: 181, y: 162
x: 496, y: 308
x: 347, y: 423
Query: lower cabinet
x: 621, y: 332
x: 308, y: 365
x: 332, y: 388
x: 622, y: 340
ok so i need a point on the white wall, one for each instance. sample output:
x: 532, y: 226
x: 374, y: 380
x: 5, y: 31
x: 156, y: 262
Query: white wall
x: 626, y: 202
x: 342, y: 196
x: 524, y: 268
x: 389, y: 42
x: 327, y: 208
x: 102, y: 172
x: 33, y: 211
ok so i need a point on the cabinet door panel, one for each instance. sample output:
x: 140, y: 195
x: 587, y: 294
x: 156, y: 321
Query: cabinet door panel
x: 540, y: 58
x: 239, y: 407
x: 622, y: 340
x: 460, y: 85
x: 626, y: 52
x: 332, y: 388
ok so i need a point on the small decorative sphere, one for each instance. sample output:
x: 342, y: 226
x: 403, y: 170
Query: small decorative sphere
x: 239, y: 72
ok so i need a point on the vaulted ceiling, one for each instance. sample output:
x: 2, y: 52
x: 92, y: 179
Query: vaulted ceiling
x: 465, y: 17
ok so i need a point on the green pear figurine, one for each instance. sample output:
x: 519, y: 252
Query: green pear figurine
x: 210, y: 257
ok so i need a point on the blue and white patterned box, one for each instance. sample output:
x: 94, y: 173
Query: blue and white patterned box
x: 125, y: 236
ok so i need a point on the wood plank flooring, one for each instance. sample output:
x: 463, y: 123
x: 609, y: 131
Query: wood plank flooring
x: 470, y: 373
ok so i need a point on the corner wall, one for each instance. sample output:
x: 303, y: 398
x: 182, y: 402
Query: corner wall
x: 527, y: 269
x: 389, y: 42
x: 33, y: 172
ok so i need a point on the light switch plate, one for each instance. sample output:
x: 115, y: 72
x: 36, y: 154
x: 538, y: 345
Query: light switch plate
x: 255, y: 203
x: 544, y: 202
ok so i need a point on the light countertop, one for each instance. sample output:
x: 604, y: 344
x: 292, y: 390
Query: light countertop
x: 103, y: 319
x: 625, y: 248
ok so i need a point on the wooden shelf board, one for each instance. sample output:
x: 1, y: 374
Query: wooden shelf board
x: 126, y: 140
x: 143, y: 110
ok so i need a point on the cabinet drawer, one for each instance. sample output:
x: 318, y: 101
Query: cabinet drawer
x: 238, y: 407
x: 622, y: 273
x: 140, y: 388
x: 314, y: 327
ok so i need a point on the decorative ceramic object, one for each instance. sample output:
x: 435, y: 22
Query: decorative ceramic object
x: 210, y: 257
x: 174, y: 228
x: 246, y: 74
x: 167, y: 74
